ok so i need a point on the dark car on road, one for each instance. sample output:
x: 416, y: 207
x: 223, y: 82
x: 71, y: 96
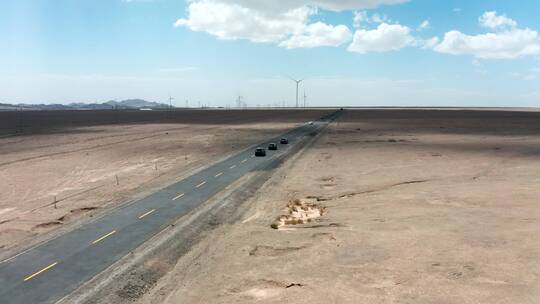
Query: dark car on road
x: 260, y: 152
x: 272, y: 146
x: 284, y: 141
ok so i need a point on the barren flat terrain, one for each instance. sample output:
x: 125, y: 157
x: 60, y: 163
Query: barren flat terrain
x: 57, y: 167
x: 387, y: 206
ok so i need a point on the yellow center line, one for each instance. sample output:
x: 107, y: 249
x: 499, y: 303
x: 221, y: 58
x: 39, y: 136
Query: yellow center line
x: 41, y: 271
x: 219, y: 174
x: 178, y: 196
x: 200, y: 185
x: 232, y: 167
x: 245, y: 160
x: 104, y: 237
x: 147, y: 213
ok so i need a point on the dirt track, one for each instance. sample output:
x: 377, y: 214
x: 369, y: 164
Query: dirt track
x: 418, y: 207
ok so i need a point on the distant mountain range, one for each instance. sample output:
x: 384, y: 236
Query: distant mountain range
x: 112, y: 104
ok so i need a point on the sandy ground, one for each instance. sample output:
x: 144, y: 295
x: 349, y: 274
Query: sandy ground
x: 78, y: 166
x: 411, y: 207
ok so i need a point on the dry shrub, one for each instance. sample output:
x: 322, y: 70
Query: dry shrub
x: 298, y: 212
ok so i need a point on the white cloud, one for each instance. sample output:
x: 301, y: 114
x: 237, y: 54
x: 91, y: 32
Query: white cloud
x: 424, y: 25
x: 503, y: 45
x: 386, y: 37
x: 359, y: 18
x: 333, y: 5
x: 363, y: 17
x: 319, y: 34
x: 493, y: 21
x: 286, y: 23
x: 380, y: 18
x: 430, y: 43
x: 508, y: 42
x: 232, y: 21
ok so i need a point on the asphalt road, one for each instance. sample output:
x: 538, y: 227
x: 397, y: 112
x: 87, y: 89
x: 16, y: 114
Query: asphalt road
x: 52, y: 270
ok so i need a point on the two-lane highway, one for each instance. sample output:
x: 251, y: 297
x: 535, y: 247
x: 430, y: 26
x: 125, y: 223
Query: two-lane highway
x: 50, y: 271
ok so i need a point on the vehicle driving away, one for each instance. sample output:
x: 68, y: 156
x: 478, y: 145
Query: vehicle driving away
x: 284, y: 141
x: 260, y: 152
x: 272, y: 146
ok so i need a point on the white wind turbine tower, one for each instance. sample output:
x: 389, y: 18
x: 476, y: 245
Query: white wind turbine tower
x: 298, y: 81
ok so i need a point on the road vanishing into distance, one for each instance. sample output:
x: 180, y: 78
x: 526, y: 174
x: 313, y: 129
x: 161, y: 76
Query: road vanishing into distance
x: 54, y: 269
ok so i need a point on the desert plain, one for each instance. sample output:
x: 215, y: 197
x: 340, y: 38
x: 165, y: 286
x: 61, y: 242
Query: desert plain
x: 417, y: 206
x: 384, y: 206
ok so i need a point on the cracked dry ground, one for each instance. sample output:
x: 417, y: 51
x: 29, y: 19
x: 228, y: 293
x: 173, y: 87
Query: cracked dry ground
x: 416, y: 210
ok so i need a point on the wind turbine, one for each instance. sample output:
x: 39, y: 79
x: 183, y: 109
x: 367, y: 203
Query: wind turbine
x: 170, y: 102
x: 298, y: 81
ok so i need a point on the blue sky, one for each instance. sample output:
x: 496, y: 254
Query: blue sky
x: 351, y: 52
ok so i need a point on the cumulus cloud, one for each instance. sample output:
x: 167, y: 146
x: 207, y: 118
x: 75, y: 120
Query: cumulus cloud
x: 493, y: 21
x: 333, y: 5
x: 318, y: 34
x: 286, y: 23
x: 507, y: 42
x: 232, y: 21
x: 386, y: 37
x: 360, y: 17
x: 363, y: 17
x: 424, y: 25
